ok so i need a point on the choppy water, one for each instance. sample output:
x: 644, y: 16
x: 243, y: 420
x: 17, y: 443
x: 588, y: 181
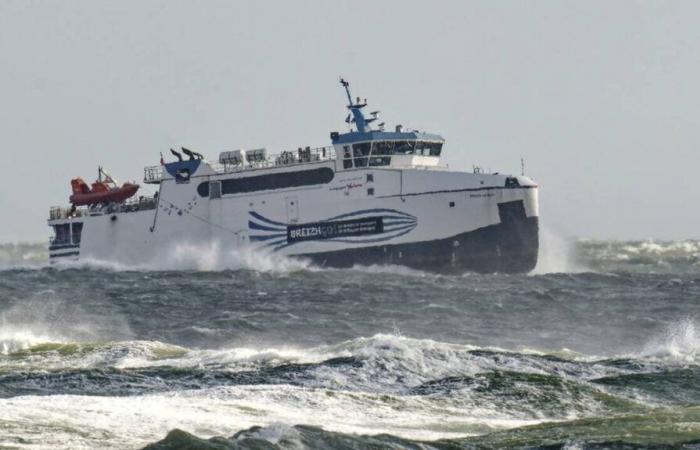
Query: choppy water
x: 278, y: 355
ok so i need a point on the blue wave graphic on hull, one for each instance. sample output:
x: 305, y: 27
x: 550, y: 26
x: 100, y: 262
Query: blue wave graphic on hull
x: 389, y: 223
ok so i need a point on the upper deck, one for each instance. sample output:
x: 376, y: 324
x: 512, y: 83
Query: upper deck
x: 363, y: 145
x: 250, y: 160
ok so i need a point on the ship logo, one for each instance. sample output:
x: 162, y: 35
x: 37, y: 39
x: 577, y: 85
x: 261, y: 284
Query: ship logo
x: 359, y: 227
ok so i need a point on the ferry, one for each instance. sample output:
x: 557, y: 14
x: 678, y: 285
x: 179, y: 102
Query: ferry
x: 372, y: 197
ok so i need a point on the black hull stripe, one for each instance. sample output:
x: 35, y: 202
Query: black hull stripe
x: 64, y: 246
x: 61, y: 255
x: 509, y: 247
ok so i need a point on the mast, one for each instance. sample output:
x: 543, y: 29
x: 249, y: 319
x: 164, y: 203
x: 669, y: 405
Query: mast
x: 356, y: 109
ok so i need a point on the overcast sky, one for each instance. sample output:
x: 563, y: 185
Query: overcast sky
x: 601, y: 98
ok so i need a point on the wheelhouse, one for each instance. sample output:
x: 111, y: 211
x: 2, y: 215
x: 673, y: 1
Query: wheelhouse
x: 365, y: 146
x: 414, y: 149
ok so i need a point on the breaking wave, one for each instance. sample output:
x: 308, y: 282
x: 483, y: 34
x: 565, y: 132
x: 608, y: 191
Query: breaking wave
x: 679, y: 342
x: 649, y: 255
x: 623, y: 433
x: 401, y: 391
x: 557, y: 255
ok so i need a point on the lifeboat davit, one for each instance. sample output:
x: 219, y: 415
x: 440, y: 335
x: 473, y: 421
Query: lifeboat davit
x: 105, y: 191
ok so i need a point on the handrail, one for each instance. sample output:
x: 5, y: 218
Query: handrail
x: 154, y: 174
x: 131, y: 205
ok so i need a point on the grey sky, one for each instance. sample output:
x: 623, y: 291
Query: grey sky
x: 601, y: 98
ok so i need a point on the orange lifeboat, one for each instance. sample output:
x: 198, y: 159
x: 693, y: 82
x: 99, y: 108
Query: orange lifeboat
x: 102, y: 191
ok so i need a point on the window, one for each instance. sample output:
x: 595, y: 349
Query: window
x: 270, y: 181
x: 347, y: 164
x: 370, y: 191
x: 428, y: 148
x: 361, y: 152
x: 346, y: 152
x: 435, y: 148
x: 512, y: 182
x: 383, y: 148
x: 62, y: 235
x: 215, y: 189
x: 361, y: 149
x: 404, y: 147
x: 370, y: 177
x: 452, y: 204
x: 76, y: 231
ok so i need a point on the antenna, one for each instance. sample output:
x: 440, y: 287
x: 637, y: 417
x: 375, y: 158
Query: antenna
x: 346, y: 85
x: 356, y: 108
x: 522, y: 166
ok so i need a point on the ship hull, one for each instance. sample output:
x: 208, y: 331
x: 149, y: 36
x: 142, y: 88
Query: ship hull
x: 431, y: 220
x: 503, y: 248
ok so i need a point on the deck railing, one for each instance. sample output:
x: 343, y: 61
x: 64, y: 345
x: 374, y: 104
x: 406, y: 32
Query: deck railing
x: 154, y: 174
x: 61, y: 212
x: 131, y: 205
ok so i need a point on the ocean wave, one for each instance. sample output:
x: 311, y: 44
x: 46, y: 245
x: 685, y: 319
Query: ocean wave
x: 23, y: 256
x: 413, y: 389
x: 652, y: 430
x: 557, y: 255
x: 211, y: 257
x: 679, y: 342
x: 499, y: 383
x: 650, y: 255
x: 377, y: 363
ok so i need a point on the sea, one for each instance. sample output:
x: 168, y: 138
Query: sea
x: 598, y: 348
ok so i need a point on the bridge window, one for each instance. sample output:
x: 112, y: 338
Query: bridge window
x: 404, y: 147
x: 361, y: 149
x: 383, y: 148
x: 435, y: 148
x: 428, y: 148
x: 360, y: 153
x: 347, y: 157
